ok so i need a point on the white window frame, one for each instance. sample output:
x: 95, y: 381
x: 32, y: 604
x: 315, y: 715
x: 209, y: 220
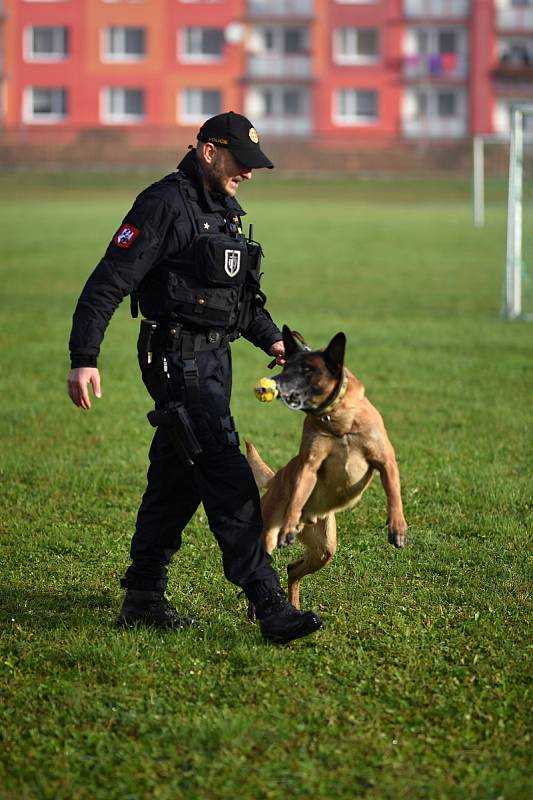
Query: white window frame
x: 44, y: 58
x: 354, y: 120
x: 107, y: 57
x: 354, y: 58
x: 120, y: 118
x: 28, y: 113
x: 197, y: 58
x: 194, y: 117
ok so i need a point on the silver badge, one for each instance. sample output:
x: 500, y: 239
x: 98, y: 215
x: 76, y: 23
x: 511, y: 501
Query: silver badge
x: 232, y: 262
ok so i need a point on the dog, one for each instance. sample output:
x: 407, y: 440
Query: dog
x: 344, y: 443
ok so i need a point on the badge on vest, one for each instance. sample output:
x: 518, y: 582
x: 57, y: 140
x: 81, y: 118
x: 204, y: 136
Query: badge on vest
x: 232, y: 262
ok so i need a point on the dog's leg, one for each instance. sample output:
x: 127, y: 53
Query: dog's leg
x: 320, y: 542
x: 305, y: 478
x: 390, y: 478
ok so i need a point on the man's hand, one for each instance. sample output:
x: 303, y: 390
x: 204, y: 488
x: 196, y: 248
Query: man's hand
x: 278, y: 350
x: 78, y: 381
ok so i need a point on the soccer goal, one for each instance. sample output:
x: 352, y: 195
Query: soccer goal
x: 518, y: 289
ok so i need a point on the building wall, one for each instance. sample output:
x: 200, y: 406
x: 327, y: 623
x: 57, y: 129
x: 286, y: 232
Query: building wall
x: 288, y: 93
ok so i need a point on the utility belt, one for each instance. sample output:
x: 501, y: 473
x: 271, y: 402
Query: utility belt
x: 170, y: 337
x: 156, y: 341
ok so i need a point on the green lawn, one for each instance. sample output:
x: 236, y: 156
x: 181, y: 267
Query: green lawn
x: 417, y: 685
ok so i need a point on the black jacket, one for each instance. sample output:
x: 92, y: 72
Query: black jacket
x: 156, y: 228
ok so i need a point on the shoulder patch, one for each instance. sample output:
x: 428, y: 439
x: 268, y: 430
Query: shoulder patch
x: 125, y: 236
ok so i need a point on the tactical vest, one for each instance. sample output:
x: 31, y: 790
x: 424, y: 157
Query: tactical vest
x: 215, y: 280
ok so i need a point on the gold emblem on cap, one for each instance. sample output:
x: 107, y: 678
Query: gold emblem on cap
x: 252, y: 133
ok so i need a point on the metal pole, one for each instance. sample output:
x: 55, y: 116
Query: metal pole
x: 513, y: 269
x: 479, y: 181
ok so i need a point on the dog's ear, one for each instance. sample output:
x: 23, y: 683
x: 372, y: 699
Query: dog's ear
x: 292, y: 346
x: 334, y: 353
x: 300, y: 341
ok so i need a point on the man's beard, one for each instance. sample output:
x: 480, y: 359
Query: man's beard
x: 216, y: 176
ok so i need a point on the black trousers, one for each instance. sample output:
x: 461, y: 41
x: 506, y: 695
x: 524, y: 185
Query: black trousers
x: 221, y: 479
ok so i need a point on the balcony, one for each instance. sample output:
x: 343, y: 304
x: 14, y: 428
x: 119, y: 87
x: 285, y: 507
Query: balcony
x: 515, y: 19
x: 280, y: 8
x: 435, y: 128
x: 437, y: 9
x: 283, y: 125
x: 514, y: 73
x: 443, y: 65
x: 279, y: 65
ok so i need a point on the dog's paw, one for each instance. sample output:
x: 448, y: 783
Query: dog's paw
x: 288, y: 532
x: 285, y: 539
x: 398, y: 534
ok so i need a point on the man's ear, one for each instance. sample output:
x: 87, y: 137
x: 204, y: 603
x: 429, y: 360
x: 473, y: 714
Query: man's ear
x: 291, y: 344
x: 206, y: 152
x: 334, y: 353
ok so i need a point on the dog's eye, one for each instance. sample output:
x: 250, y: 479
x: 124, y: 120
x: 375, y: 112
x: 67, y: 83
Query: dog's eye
x: 307, y: 368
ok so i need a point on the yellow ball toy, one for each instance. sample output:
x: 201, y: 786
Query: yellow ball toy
x: 266, y: 390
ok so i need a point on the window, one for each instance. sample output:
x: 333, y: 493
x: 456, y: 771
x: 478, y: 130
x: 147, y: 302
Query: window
x: 355, y: 106
x: 447, y: 42
x: 199, y: 104
x: 439, y: 103
x: 294, y: 40
x: 446, y: 104
x: 279, y: 40
x: 202, y: 44
x: 46, y: 43
x: 124, y: 44
x: 42, y: 104
x: 120, y: 105
x: 437, y: 41
x: 355, y: 45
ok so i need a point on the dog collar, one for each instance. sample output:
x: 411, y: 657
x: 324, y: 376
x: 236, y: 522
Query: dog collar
x: 333, y: 401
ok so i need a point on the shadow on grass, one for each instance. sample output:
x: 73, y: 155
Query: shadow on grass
x: 49, y: 609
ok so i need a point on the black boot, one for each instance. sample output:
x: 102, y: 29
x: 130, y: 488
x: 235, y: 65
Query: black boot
x: 151, y: 609
x: 279, y: 621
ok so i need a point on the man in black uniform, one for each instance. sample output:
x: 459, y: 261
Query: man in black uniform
x: 181, y: 255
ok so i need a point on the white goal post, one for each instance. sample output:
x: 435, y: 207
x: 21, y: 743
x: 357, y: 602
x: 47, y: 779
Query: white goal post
x: 512, y: 148
x: 514, y: 263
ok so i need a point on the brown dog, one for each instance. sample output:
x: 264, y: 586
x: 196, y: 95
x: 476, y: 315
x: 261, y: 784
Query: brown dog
x: 344, y: 442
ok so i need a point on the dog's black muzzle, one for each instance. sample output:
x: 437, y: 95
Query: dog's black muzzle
x: 293, y: 391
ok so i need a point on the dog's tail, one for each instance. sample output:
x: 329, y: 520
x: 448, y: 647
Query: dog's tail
x: 262, y: 473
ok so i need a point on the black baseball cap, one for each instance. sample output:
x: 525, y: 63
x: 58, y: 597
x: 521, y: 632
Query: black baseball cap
x: 237, y: 133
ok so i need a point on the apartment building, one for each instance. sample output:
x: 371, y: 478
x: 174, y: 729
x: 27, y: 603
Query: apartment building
x: 323, y: 70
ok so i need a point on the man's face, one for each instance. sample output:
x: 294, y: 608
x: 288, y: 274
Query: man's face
x: 225, y: 173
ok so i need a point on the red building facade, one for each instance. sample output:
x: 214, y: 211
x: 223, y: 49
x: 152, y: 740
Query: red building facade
x: 325, y: 70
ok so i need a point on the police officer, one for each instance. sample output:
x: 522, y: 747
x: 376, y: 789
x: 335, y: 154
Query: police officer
x: 182, y: 256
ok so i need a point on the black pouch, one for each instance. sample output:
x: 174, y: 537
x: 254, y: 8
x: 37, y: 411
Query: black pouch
x: 203, y: 306
x: 255, y: 253
x: 220, y: 260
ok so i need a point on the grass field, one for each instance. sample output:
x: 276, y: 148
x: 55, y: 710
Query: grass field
x: 417, y: 685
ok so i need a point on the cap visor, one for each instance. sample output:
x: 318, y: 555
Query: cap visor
x: 253, y: 158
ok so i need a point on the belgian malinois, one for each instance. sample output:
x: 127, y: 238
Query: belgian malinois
x: 344, y: 442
